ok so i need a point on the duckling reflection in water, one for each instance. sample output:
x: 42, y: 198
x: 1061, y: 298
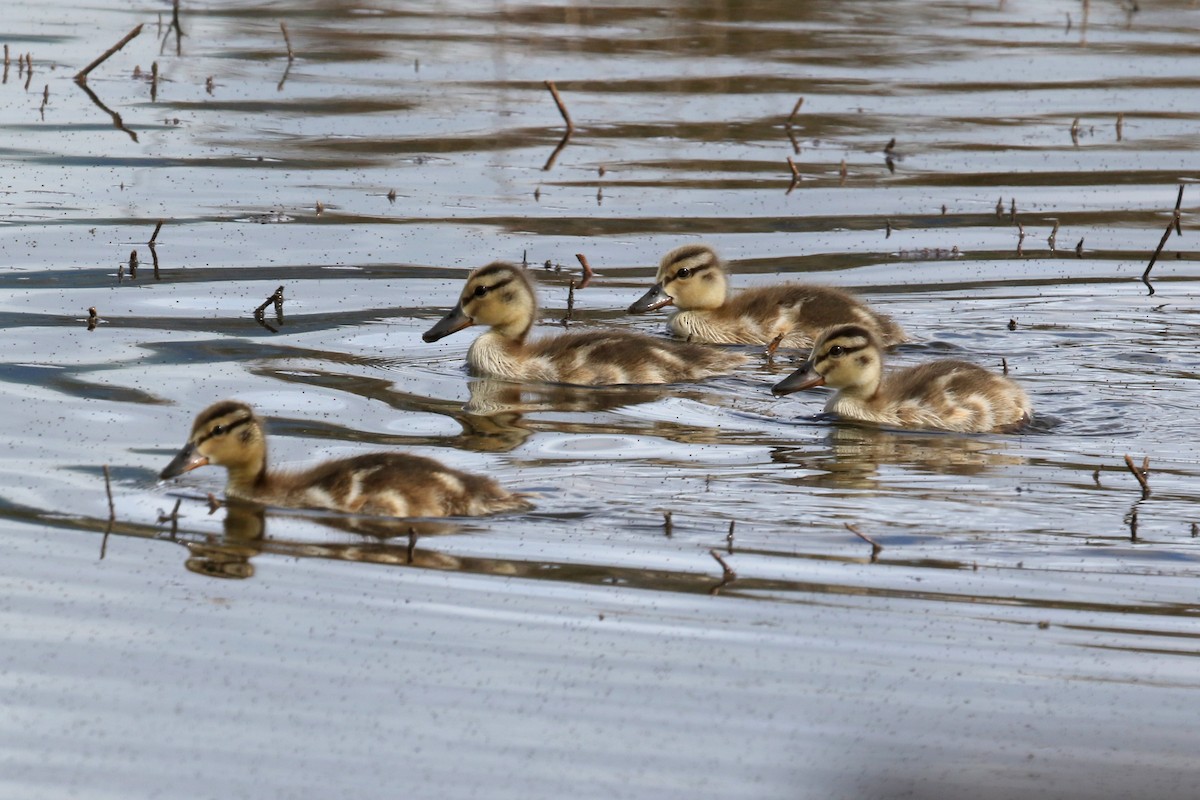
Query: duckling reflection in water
x: 502, y: 296
x: 945, y: 394
x: 229, y: 434
x: 693, y: 279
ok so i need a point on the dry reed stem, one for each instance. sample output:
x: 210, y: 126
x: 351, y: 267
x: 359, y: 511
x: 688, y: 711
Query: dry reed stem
x: 562, y: 108
x: 1140, y: 474
x: 876, y: 547
x: 588, y: 273
x: 1173, y: 224
x: 795, y: 110
x: 154, y: 236
x: 668, y: 525
x: 81, y: 76
x: 287, y: 40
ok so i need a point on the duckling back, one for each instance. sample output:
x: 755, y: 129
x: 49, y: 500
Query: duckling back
x: 951, y: 395
x: 391, y: 484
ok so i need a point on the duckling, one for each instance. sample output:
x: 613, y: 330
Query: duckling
x: 229, y: 434
x: 693, y: 279
x: 502, y: 296
x: 945, y: 394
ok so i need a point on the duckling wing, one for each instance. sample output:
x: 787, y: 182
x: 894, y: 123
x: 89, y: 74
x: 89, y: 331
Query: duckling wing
x: 801, y: 311
x: 401, y: 485
x: 958, y: 396
x: 601, y: 358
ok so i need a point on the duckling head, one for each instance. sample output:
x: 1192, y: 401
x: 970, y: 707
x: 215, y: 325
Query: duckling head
x: 227, y: 434
x: 690, y: 278
x: 499, y: 295
x: 846, y: 357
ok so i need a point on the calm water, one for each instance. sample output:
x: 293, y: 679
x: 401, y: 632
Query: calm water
x: 1030, y: 626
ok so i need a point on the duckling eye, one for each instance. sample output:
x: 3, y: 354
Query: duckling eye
x: 218, y: 430
x: 683, y: 273
x: 480, y: 291
x: 837, y: 351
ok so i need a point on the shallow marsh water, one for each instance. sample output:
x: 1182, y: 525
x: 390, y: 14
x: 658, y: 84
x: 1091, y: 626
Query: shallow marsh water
x: 1030, y: 623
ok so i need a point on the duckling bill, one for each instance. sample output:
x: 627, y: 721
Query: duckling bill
x: 945, y: 394
x: 501, y: 296
x: 693, y: 279
x: 230, y: 435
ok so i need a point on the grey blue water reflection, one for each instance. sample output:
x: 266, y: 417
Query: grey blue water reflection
x: 1029, y: 623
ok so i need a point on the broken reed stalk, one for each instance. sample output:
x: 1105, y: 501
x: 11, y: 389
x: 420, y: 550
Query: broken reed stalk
x: 112, y: 509
x: 133, y: 265
x: 1053, y: 239
x: 412, y: 543
x: 876, y: 547
x: 566, y: 321
x: 1173, y: 224
x: 588, y: 273
x: 1140, y: 474
x: 795, y: 110
x: 81, y: 76
x: 729, y: 538
x: 287, y: 40
x: 562, y: 108
x: 668, y: 525
x: 774, y: 345
x: 276, y: 298
x: 795, y: 175
x: 727, y: 571
x: 154, y: 236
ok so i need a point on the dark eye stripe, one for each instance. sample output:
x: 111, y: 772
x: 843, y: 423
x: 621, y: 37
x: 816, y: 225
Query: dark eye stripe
x: 220, y: 430
x: 486, y: 289
x: 690, y: 272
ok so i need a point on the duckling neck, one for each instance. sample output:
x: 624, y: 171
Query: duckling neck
x: 249, y: 479
x: 497, y: 354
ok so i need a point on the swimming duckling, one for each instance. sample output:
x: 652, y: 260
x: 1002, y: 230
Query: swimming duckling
x: 693, y: 279
x: 945, y: 394
x: 502, y: 296
x: 228, y: 434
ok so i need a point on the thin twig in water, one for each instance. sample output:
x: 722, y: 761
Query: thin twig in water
x: 888, y: 230
x: 1142, y: 474
x: 728, y: 575
x: 876, y: 547
x: 668, y: 525
x: 773, y: 346
x: 81, y: 76
x: 154, y: 236
x: 795, y: 110
x: 276, y: 298
x: 412, y: 543
x: 1120, y: 125
x: 729, y: 538
x: 1079, y: 248
x: 1004, y: 365
x: 566, y: 321
x: 562, y: 108
x: 1173, y: 224
x: 795, y: 175
x: 112, y: 512
x: 287, y: 40
x: 213, y: 503
x: 587, y: 271
x: 133, y: 265
x: 1053, y: 237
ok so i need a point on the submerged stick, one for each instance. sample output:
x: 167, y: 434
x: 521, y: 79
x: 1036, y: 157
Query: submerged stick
x: 1140, y: 474
x: 668, y: 526
x: 1172, y: 225
x: 588, y: 273
x: 562, y: 108
x: 876, y: 547
x: 81, y: 76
